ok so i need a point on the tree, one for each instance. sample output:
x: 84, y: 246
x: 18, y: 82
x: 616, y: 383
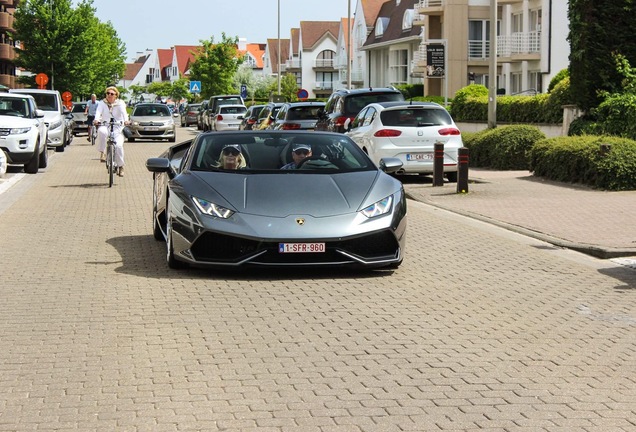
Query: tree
x: 70, y: 45
x: 288, y: 87
x: 136, y: 91
x: 598, y: 30
x: 216, y: 65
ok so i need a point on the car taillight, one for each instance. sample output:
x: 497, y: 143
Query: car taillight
x: 251, y: 121
x: 340, y: 121
x: 449, y: 131
x: 387, y: 133
x: 290, y: 126
x: 219, y: 117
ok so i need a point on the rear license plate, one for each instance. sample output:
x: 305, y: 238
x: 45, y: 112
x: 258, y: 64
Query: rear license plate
x: 419, y: 156
x: 301, y: 247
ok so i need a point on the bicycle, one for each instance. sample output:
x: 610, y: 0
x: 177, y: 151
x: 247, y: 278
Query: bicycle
x: 110, y: 149
x: 93, y: 135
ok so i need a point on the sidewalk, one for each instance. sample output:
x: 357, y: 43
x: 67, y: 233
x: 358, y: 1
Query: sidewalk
x: 595, y: 222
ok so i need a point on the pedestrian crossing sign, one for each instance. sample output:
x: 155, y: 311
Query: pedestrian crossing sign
x: 195, y: 86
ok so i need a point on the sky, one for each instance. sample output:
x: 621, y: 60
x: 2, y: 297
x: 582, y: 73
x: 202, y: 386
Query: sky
x: 152, y: 24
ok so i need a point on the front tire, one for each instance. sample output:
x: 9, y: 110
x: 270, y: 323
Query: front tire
x: 44, y: 158
x: 173, y: 263
x: 33, y: 165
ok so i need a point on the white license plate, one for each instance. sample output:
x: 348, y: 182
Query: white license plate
x: 151, y: 128
x: 419, y: 156
x: 301, y: 247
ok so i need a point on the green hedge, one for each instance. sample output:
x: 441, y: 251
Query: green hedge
x: 503, y: 148
x: 471, y: 104
x: 603, y: 162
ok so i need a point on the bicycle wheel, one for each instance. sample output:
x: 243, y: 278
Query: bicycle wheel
x: 93, y: 134
x: 110, y: 162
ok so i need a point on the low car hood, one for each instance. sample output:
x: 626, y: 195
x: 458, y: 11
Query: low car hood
x: 281, y: 195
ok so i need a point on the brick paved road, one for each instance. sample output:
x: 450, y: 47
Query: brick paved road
x: 480, y: 329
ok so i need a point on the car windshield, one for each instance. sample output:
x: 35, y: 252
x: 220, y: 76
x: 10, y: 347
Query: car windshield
x: 270, y: 151
x: 354, y: 103
x: 79, y: 108
x: 229, y: 101
x: 415, y: 117
x: 303, y: 113
x: 16, y: 107
x: 45, y: 101
x: 151, y: 111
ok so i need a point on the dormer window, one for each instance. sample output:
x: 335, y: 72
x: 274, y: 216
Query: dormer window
x: 380, y: 26
x: 407, y: 19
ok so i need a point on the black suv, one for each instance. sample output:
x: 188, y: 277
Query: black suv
x: 346, y: 104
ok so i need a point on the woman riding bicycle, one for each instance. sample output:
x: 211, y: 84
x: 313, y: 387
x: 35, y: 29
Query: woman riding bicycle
x: 112, y: 107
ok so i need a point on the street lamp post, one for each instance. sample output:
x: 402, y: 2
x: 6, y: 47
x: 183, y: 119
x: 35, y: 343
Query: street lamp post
x: 278, y: 56
x: 348, y: 44
x: 492, y: 88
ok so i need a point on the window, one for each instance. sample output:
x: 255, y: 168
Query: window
x: 381, y: 25
x: 407, y: 19
x: 478, y: 39
x: 398, y: 67
x: 325, y: 58
x: 515, y: 83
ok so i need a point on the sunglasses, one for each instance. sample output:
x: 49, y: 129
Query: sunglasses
x: 111, y: 94
x: 301, y: 152
x: 231, y: 152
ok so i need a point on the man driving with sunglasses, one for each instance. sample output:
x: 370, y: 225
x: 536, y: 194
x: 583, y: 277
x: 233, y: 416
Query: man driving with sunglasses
x: 300, y: 152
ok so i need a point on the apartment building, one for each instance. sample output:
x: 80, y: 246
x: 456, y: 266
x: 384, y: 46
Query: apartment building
x: 7, y: 44
x: 532, y: 43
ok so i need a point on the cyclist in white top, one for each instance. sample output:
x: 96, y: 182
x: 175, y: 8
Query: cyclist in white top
x: 112, y: 107
x: 91, y: 109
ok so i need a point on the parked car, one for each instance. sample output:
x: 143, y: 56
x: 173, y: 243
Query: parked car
x: 50, y: 102
x: 201, y: 114
x: 250, y: 117
x: 350, y: 213
x: 408, y: 131
x: 267, y: 115
x: 24, y: 131
x: 298, y: 116
x: 189, y: 115
x: 213, y: 105
x: 80, y: 124
x: 228, y: 117
x: 345, y: 104
x: 152, y: 121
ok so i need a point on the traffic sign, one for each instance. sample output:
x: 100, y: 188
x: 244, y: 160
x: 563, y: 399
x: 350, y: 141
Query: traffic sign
x: 243, y: 91
x: 195, y: 86
x: 67, y: 96
x: 302, y: 94
x: 41, y: 79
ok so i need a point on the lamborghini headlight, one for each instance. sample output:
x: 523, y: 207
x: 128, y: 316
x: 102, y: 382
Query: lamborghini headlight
x: 379, y: 208
x: 211, y: 209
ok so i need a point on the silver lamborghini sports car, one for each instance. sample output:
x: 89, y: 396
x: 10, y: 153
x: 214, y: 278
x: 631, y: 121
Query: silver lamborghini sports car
x: 277, y: 198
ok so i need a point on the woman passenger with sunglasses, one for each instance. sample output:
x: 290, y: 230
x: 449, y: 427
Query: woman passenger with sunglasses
x: 231, y: 157
x: 112, y: 107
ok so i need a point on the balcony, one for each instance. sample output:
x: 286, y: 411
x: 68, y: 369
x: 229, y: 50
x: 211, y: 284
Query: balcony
x: 357, y: 76
x: 6, y: 21
x: 478, y: 50
x: 7, y: 80
x: 291, y: 65
x: 430, y: 7
x: 526, y: 45
x: 7, y: 52
x: 324, y: 64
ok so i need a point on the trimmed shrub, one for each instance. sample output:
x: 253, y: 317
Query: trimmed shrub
x: 503, y: 148
x: 563, y: 73
x: 603, y: 162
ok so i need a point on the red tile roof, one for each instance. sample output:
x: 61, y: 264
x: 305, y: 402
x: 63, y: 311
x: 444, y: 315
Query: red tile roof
x: 185, y: 56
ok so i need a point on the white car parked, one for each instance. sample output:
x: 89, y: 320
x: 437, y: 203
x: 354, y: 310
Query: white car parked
x: 407, y: 131
x: 23, y: 132
x: 50, y: 102
x: 228, y: 117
